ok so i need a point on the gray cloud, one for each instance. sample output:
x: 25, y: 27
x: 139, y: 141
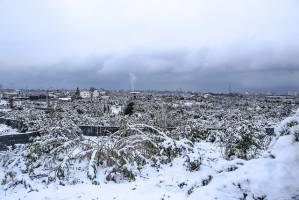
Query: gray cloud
x: 192, y: 44
x: 186, y: 69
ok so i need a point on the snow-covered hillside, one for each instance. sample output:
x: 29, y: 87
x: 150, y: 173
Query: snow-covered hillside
x: 273, y: 175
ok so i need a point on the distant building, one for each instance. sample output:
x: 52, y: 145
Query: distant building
x: 280, y: 99
x: 105, y: 97
x: 95, y: 94
x: 85, y: 94
x: 65, y: 99
x: 38, y: 96
x: 8, y: 95
x: 53, y: 95
x: 102, y: 92
x: 135, y: 95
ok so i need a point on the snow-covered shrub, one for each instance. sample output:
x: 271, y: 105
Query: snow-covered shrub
x: 120, y: 173
x: 285, y: 128
x: 92, y: 167
x: 193, y: 165
x: 55, y: 156
x: 11, y: 181
x: 289, y: 126
x: 198, y: 134
x: 8, y: 177
x: 244, y: 141
x: 243, y: 145
x: 207, y: 180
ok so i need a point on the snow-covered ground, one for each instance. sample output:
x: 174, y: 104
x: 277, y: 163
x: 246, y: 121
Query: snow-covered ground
x: 7, y: 130
x: 273, y: 176
x: 3, y: 102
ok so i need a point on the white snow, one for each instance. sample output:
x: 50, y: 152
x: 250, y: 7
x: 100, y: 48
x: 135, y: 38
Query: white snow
x: 188, y: 103
x: 91, y: 167
x: 115, y: 109
x: 273, y: 175
x: 3, y: 102
x: 7, y: 130
x: 275, y: 178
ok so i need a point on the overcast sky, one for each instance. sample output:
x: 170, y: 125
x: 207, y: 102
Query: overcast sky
x: 203, y: 45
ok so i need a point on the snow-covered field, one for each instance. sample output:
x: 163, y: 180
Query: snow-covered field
x: 273, y: 175
x: 274, y: 178
x: 7, y: 130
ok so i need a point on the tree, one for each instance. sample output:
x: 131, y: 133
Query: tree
x: 77, y: 94
x: 11, y: 102
x: 91, y: 89
x: 129, y: 108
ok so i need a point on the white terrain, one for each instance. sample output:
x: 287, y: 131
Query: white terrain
x: 271, y: 175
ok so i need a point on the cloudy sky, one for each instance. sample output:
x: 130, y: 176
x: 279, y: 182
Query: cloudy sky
x: 203, y: 45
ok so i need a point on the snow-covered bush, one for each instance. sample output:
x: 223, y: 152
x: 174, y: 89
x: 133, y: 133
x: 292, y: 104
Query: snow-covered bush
x: 245, y: 141
x: 56, y: 156
x: 194, y: 164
